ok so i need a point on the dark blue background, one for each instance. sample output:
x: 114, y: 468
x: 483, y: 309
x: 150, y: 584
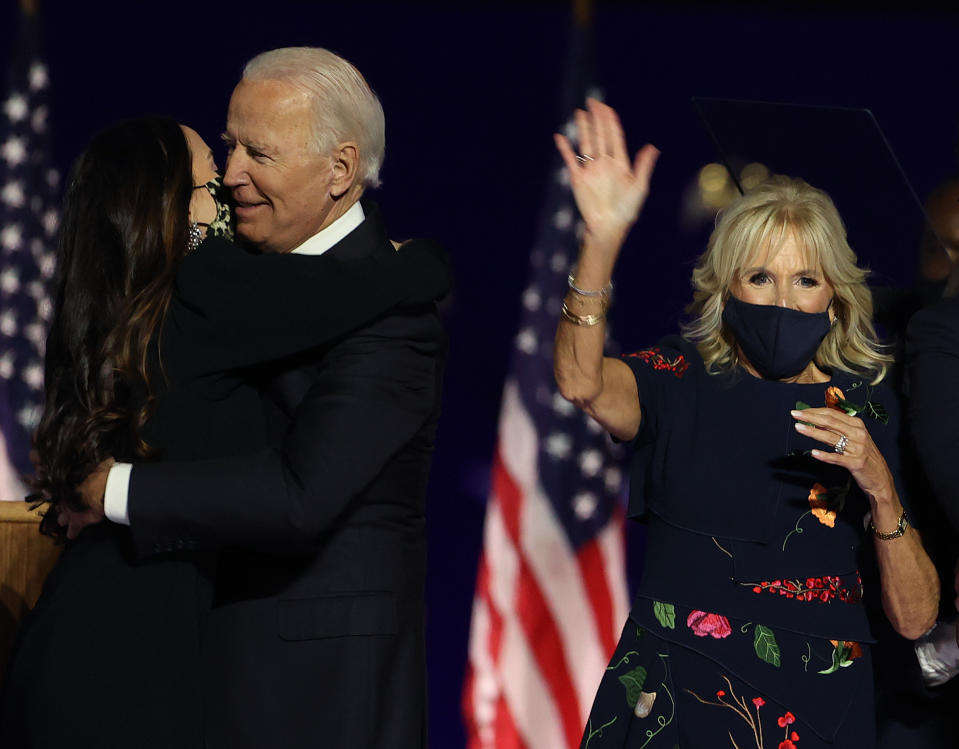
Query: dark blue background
x: 471, y: 94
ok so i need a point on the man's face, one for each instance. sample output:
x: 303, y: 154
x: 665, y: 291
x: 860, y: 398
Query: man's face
x: 280, y: 185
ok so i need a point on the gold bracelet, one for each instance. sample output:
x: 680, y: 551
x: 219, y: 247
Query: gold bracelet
x: 585, y: 321
x: 900, y: 529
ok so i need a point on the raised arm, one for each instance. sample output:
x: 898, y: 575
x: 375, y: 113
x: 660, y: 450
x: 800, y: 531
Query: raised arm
x: 610, y: 192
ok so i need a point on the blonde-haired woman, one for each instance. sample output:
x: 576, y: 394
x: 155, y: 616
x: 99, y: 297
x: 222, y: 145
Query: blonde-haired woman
x: 766, y: 466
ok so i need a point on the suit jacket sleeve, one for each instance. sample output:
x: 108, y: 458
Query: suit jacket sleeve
x: 372, y: 394
x: 243, y: 309
x: 933, y: 356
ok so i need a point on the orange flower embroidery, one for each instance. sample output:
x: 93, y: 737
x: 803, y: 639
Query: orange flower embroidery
x: 833, y: 396
x: 855, y: 649
x: 818, y: 505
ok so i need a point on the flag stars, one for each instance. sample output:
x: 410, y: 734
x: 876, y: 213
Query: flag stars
x: 532, y: 300
x: 16, y: 107
x: 584, y: 505
x: 39, y: 119
x: 53, y: 177
x: 8, y: 323
x: 6, y: 365
x: 527, y: 342
x: 33, y: 376
x: 38, y: 76
x: 14, y: 151
x: 562, y: 406
x: 559, y: 263
x: 559, y: 445
x: 592, y: 426
x: 590, y: 462
x: 9, y: 280
x: 47, y: 265
x: 12, y: 194
x: 563, y: 218
x: 29, y: 416
x: 35, y: 333
x: 11, y: 237
x: 50, y: 222
x: 613, y: 478
x: 562, y: 176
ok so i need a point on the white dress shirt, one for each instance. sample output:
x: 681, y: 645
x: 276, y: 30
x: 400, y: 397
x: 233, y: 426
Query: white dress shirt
x: 115, y: 497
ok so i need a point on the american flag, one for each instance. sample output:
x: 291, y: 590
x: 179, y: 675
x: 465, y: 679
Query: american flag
x: 551, y: 593
x: 28, y: 223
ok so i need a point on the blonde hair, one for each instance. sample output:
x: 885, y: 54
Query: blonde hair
x: 763, y: 218
x: 344, y: 106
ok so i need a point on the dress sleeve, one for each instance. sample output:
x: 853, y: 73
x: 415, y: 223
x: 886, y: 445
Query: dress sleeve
x: 661, y: 373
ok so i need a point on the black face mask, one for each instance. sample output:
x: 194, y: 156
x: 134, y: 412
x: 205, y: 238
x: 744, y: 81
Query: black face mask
x: 778, y: 342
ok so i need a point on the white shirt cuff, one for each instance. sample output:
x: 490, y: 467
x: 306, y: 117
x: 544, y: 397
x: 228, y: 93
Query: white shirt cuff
x: 938, y: 654
x: 116, y: 493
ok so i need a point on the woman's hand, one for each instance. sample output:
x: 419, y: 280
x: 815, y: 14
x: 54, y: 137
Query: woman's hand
x: 609, y: 190
x: 91, y: 490
x: 859, y: 455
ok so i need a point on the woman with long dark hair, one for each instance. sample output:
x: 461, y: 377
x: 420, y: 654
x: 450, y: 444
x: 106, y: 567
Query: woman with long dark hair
x: 151, y: 324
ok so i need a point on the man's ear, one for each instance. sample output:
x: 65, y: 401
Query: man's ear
x: 346, y: 162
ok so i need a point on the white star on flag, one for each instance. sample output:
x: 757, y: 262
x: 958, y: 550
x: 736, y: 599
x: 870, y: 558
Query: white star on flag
x: 14, y: 151
x: 15, y: 107
x: 38, y: 76
x: 13, y: 195
x: 11, y: 237
x: 558, y: 445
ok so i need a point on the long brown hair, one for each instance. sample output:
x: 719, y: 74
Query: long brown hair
x: 124, y: 228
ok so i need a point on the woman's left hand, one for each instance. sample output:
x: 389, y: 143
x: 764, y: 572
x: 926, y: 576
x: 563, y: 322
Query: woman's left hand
x: 859, y: 454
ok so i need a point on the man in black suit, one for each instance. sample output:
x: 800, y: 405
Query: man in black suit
x: 316, y: 635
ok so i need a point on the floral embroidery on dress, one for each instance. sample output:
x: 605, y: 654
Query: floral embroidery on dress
x: 635, y: 681
x: 739, y: 706
x: 843, y: 654
x: 835, y: 398
x: 703, y: 624
x: 822, y: 589
x: 824, y: 505
x: 677, y: 365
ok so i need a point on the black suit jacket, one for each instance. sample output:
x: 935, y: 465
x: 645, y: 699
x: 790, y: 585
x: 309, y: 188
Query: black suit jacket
x: 316, y: 637
x: 116, y: 631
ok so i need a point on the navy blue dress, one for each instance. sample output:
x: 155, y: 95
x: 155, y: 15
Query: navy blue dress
x: 749, y: 627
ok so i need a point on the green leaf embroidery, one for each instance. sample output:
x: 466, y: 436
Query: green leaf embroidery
x: 840, y: 658
x: 665, y: 614
x: 765, y: 645
x: 835, y: 663
x: 633, y: 681
x: 802, y: 406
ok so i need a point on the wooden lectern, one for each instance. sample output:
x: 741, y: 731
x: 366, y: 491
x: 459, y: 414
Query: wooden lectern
x: 26, y: 559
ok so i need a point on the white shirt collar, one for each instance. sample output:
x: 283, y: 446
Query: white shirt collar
x: 326, y: 238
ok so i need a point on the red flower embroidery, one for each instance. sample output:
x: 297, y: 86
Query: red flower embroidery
x: 786, y: 720
x: 677, y: 366
x: 721, y: 693
x: 822, y: 589
x: 758, y: 702
x: 703, y: 623
x: 787, y: 744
